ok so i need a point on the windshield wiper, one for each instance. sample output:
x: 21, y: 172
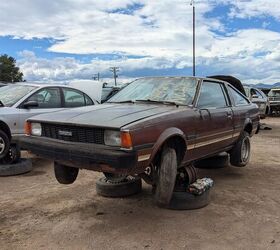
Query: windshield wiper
x: 161, y: 102
x: 127, y: 101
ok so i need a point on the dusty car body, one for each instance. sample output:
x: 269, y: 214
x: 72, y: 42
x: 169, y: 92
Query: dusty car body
x: 274, y: 99
x: 258, y: 97
x: 194, y: 117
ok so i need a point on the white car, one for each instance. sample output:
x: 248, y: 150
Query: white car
x: 258, y: 97
x: 21, y: 101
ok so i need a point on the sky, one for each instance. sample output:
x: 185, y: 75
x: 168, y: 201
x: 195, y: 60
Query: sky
x: 75, y: 39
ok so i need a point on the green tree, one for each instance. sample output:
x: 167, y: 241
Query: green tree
x: 9, y: 72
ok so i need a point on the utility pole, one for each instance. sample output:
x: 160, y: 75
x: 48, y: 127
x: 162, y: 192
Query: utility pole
x: 193, y: 7
x: 96, y: 76
x: 115, y: 70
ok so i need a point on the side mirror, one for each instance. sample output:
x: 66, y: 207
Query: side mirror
x: 255, y: 97
x: 30, y: 104
x: 204, y: 110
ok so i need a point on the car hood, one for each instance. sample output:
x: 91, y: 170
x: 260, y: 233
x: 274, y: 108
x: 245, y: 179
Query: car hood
x: 105, y: 115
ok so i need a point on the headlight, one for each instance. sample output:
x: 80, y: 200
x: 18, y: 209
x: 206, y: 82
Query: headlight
x: 112, y: 138
x: 36, y: 129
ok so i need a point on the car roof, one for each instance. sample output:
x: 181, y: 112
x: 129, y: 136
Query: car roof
x: 44, y: 85
x: 40, y: 84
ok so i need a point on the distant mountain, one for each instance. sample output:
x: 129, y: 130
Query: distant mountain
x: 266, y: 86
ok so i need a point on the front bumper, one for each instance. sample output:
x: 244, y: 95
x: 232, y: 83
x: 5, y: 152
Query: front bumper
x: 81, y: 155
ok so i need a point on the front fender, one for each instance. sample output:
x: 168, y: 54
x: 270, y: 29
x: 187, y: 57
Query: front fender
x: 168, y: 133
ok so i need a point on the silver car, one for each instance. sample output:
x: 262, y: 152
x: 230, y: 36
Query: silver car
x: 258, y: 97
x: 19, y: 102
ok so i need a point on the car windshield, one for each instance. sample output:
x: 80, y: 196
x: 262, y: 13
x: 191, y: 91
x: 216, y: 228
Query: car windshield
x: 173, y: 90
x: 9, y: 95
x: 274, y: 93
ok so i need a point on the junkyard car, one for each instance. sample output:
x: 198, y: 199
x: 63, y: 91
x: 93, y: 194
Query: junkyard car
x: 258, y: 97
x: 152, y: 128
x: 274, y: 99
x: 21, y: 101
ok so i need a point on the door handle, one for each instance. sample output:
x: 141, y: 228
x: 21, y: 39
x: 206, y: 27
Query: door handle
x: 229, y: 115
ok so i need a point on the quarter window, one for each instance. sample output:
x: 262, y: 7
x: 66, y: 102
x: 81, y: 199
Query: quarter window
x: 237, y: 97
x: 47, y: 98
x: 73, y: 98
x: 211, y: 96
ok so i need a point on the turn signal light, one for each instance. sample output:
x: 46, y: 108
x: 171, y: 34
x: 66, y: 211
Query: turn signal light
x: 27, y: 128
x: 126, y: 141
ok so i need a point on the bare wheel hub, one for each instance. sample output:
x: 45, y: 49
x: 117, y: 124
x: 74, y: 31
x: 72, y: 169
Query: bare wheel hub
x: 2, y: 145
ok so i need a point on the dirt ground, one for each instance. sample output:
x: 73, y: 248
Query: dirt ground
x: 38, y: 213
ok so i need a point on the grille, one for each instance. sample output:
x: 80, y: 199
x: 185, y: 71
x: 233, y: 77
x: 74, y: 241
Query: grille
x: 73, y: 133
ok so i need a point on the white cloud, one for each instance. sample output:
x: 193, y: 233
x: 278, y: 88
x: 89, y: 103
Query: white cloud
x: 255, y: 8
x: 160, y: 31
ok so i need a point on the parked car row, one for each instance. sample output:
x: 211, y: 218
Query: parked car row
x: 153, y: 128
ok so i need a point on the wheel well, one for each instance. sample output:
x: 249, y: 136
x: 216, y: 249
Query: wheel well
x: 248, y: 128
x: 4, y: 127
x: 176, y: 142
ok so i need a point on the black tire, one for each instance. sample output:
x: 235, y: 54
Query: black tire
x: 167, y: 172
x: 240, y: 154
x: 188, y: 201
x: 4, y: 144
x: 215, y: 162
x: 114, y: 178
x: 127, y: 187
x: 13, y: 155
x: 23, y: 166
x: 65, y: 174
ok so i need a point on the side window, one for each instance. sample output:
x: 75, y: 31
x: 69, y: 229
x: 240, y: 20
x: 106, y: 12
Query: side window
x: 211, y: 96
x: 73, y: 98
x: 237, y: 97
x: 88, y: 100
x: 47, y: 98
x: 259, y: 94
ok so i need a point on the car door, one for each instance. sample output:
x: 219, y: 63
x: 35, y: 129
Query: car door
x: 240, y: 109
x: 48, y: 99
x: 215, y: 126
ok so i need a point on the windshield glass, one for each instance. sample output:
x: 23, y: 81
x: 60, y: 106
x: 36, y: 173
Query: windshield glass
x: 179, y: 90
x: 9, y: 95
x: 274, y: 93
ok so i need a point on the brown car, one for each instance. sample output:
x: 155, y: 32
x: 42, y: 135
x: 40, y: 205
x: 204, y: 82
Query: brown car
x: 151, y: 128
